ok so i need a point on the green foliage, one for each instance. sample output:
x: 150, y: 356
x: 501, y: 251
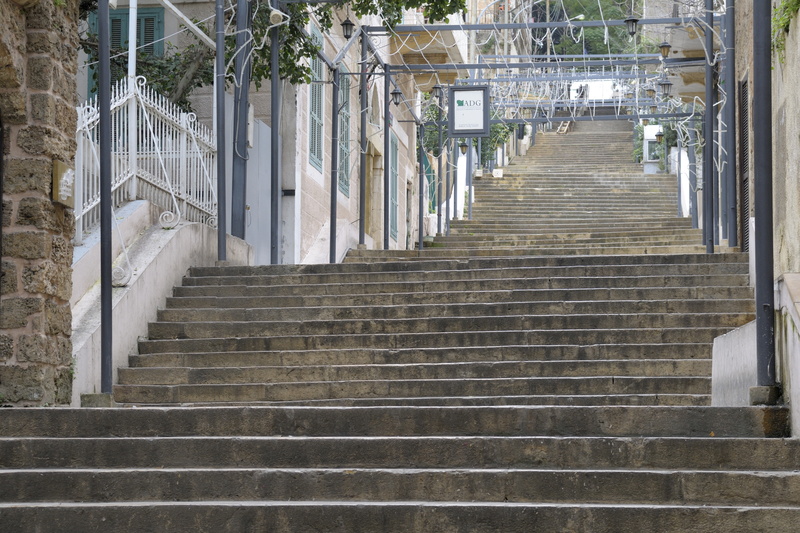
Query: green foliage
x: 782, y: 18
x: 179, y: 68
x: 593, y: 39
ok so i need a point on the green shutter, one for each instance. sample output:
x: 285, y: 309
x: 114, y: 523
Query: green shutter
x: 150, y: 35
x: 316, y: 110
x: 344, y: 133
x: 393, y: 184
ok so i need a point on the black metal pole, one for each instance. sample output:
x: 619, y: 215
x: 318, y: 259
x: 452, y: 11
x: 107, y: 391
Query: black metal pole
x: 222, y: 211
x: 275, y: 147
x: 362, y: 177
x: 387, y: 98
x: 708, y: 134
x: 762, y: 163
x: 715, y: 165
x: 104, y: 105
x: 439, y: 162
x: 469, y: 178
x: 241, y: 105
x: 448, y: 177
x: 730, y: 120
x: 334, y: 162
x: 420, y: 157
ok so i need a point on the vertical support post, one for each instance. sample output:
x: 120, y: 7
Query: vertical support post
x: 723, y: 130
x: 334, y: 163
x: 133, y: 137
x: 420, y: 156
x: 469, y: 178
x: 241, y: 104
x: 715, y: 164
x: 222, y: 208
x: 730, y: 120
x: 362, y: 174
x: 275, y: 147
x: 708, y: 135
x: 387, y: 98
x: 679, y: 172
x: 693, y: 176
x: 456, y: 154
x: 762, y: 162
x: 448, y: 175
x: 439, y: 173
x: 104, y: 105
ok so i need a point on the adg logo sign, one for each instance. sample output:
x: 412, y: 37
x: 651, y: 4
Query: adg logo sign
x: 468, y: 116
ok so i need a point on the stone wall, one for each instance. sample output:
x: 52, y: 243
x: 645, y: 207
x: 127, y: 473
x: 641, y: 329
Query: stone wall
x: 38, y: 62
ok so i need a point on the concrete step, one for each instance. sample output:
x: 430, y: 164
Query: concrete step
x: 669, y: 487
x: 150, y: 422
x: 375, y: 356
x: 504, y: 369
x: 368, y: 517
x: 250, y: 391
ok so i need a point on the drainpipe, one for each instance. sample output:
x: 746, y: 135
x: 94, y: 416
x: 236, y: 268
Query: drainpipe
x: 334, y: 162
x: 762, y: 163
x: 730, y: 119
x: 387, y: 99
x: 362, y: 177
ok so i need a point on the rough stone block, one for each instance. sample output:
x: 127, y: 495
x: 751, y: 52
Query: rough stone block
x: 28, y: 174
x: 40, y: 73
x: 13, y: 106
x: 11, y: 77
x: 6, y: 347
x: 58, y: 318
x: 62, y: 250
x: 27, y: 245
x: 43, y: 108
x: 40, y: 348
x: 39, y: 140
x: 33, y: 384
x: 7, y: 207
x: 37, y: 212
x: 16, y: 311
x: 48, y: 278
x: 63, y: 383
x: 43, y: 42
x: 66, y: 115
x: 43, y: 16
x: 8, y: 281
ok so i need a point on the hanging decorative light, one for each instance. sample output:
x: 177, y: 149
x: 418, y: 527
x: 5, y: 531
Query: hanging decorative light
x: 650, y: 92
x: 631, y: 23
x: 397, y: 96
x: 660, y: 136
x: 666, y: 86
x: 463, y: 147
x: 347, y: 28
x: 665, y: 47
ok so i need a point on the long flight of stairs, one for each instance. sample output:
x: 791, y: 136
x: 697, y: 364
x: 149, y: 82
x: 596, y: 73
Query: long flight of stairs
x: 545, y: 367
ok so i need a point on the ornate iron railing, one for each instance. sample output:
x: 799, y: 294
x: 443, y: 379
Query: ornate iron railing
x: 159, y: 153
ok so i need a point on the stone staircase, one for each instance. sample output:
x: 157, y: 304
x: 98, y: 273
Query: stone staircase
x: 540, y: 369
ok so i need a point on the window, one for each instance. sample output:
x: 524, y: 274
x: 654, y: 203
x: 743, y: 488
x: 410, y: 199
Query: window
x: 316, y: 106
x: 653, y: 151
x: 344, y: 133
x: 149, y: 38
x: 393, y: 179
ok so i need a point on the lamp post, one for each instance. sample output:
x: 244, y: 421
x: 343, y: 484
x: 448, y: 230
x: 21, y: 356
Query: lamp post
x: 437, y: 92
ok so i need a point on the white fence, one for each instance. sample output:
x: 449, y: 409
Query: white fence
x: 158, y: 153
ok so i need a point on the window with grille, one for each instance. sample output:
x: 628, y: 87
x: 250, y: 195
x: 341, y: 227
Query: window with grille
x: 344, y: 133
x: 316, y: 106
x: 393, y: 184
x: 149, y: 38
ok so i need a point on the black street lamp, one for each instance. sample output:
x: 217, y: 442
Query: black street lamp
x: 463, y: 147
x: 666, y: 86
x: 397, y: 96
x: 665, y: 47
x: 660, y: 136
x: 631, y: 23
x: 347, y: 28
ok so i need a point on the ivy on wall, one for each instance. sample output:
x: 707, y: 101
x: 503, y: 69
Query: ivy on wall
x: 782, y: 18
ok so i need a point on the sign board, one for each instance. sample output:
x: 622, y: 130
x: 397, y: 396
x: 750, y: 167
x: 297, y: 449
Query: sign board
x: 468, y: 112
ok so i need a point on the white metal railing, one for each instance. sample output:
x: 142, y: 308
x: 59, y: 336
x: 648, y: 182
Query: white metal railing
x: 158, y: 153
